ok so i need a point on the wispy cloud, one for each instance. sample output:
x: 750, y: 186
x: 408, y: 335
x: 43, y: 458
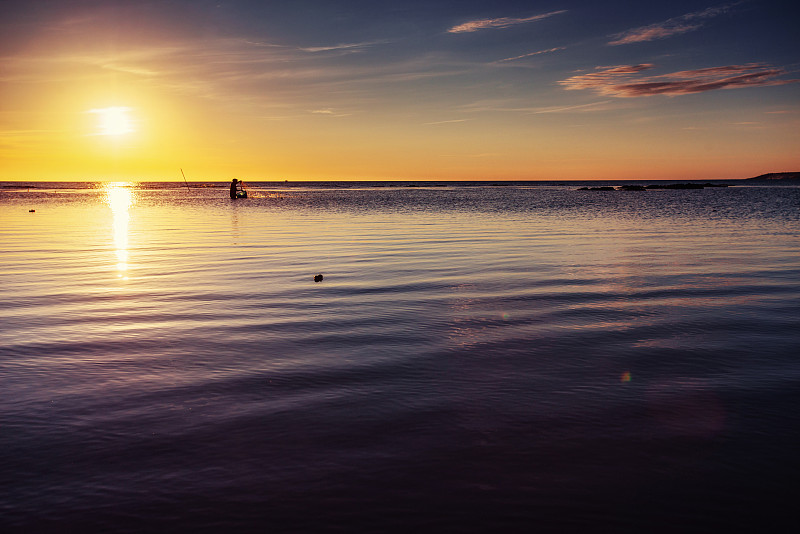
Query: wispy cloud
x: 594, y: 106
x: 537, y: 53
x: 503, y: 22
x: 620, y: 81
x: 446, y: 122
x: 343, y: 46
x: 674, y: 26
x: 329, y: 112
x: 603, y: 77
x: 511, y: 106
x: 231, y: 71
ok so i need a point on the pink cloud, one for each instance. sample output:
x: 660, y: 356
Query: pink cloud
x: 602, y: 78
x: 503, y: 22
x: 674, y: 26
x: 620, y: 81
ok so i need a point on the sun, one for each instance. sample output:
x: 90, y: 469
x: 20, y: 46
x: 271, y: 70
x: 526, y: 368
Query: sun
x: 114, y: 121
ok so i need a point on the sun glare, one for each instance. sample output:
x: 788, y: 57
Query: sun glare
x: 114, y: 120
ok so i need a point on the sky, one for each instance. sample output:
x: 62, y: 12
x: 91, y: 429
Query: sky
x: 397, y: 90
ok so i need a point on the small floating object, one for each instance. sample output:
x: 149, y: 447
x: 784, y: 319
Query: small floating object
x: 318, y: 278
x: 31, y: 211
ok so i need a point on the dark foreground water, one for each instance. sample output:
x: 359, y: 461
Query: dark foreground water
x: 476, y: 359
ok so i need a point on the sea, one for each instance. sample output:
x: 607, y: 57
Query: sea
x: 477, y: 357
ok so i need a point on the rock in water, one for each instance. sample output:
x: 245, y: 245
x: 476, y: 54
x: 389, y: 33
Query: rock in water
x: 318, y: 278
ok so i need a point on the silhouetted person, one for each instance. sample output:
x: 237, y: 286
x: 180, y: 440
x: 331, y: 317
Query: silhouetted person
x: 234, y: 183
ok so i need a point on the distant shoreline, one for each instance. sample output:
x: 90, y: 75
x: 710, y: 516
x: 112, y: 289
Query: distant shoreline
x: 775, y: 178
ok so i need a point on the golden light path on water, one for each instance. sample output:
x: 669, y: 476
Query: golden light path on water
x: 120, y: 197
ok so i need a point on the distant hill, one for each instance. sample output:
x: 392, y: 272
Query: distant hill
x: 773, y: 177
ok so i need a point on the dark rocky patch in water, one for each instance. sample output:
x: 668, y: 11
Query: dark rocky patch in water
x: 631, y: 187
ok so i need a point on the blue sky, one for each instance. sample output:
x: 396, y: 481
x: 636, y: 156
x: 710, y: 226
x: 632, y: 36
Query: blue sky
x: 451, y: 89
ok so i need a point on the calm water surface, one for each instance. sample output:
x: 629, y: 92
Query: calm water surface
x: 519, y: 358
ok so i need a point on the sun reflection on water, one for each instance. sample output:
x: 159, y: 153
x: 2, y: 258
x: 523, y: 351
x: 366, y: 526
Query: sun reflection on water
x: 120, y: 197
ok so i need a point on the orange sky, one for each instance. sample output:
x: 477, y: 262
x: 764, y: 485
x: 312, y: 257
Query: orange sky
x: 528, y: 98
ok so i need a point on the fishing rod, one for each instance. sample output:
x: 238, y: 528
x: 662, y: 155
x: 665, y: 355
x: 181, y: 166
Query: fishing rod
x: 184, y: 179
